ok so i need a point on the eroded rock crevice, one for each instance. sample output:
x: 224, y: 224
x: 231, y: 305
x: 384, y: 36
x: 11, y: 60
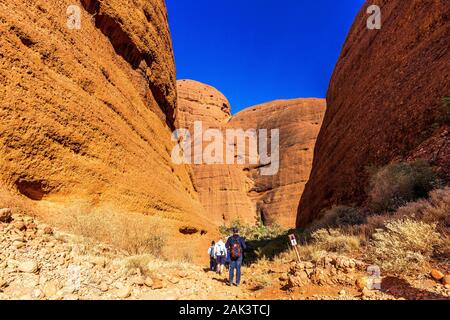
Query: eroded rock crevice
x: 33, y: 189
x: 124, y: 46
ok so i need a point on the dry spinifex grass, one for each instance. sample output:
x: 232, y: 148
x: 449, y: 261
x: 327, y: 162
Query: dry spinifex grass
x: 134, y: 233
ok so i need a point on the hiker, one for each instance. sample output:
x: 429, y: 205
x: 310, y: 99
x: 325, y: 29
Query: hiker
x: 221, y: 254
x: 228, y: 261
x: 212, y: 256
x: 235, y: 245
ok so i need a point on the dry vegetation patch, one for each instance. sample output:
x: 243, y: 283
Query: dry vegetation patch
x: 405, y: 246
x: 134, y: 233
x: 396, y: 184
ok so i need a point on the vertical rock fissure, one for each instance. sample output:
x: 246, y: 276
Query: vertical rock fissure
x: 127, y: 49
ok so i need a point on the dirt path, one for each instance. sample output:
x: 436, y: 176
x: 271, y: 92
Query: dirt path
x: 37, y: 262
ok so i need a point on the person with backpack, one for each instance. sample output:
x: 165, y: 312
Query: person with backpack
x: 212, y: 256
x: 236, y: 246
x: 221, y: 254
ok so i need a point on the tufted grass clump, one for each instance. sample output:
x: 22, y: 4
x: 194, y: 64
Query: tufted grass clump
x: 405, y: 246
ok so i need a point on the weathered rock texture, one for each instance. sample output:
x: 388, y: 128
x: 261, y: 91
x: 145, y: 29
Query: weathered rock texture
x: 230, y: 192
x: 200, y: 102
x: 384, y: 102
x: 276, y: 196
x: 85, y: 114
x: 222, y: 188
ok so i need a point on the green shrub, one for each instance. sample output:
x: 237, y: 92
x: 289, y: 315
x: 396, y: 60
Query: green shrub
x: 404, y: 246
x: 349, y: 216
x: 253, y: 232
x: 444, y: 116
x: 396, y: 184
x: 346, y: 216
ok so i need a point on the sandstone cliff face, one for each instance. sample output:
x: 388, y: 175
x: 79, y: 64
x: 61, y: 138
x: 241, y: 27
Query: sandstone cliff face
x: 298, y: 120
x: 200, y: 102
x: 222, y: 188
x: 85, y: 114
x: 236, y: 191
x: 139, y: 32
x: 384, y: 102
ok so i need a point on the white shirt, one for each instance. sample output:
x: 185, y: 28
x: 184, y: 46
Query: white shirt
x: 220, y: 249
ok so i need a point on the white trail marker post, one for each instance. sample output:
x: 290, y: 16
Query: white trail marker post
x: 294, y: 244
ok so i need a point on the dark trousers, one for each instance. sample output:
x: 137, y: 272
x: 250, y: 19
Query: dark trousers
x: 235, y: 264
x: 212, y: 264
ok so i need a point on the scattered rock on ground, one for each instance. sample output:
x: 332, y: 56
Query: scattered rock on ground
x: 148, y: 282
x: 361, y: 283
x: 123, y: 292
x: 48, y: 230
x: 158, y: 284
x: 50, y: 289
x: 29, y: 266
x: 436, y: 274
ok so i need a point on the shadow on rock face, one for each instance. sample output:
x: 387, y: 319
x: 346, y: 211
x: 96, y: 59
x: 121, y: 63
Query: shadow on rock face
x: 34, y: 190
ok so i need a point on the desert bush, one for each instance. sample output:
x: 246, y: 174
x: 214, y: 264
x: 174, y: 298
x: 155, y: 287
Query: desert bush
x: 149, y: 266
x: 373, y: 222
x: 262, y: 281
x: 435, y: 209
x: 320, y: 243
x: 443, y: 116
x: 186, y: 257
x: 136, y: 243
x: 253, y: 232
x: 348, y: 219
x: 140, y: 262
x: 340, y: 216
x: 333, y: 240
x: 396, y: 184
x: 131, y: 232
x: 349, y: 216
x: 404, y: 246
x: 446, y: 100
x: 309, y: 252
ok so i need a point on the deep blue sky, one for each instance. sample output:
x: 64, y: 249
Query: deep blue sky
x: 255, y: 51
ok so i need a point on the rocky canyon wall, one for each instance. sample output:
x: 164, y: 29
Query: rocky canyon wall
x: 275, y: 197
x: 222, y: 188
x: 238, y: 191
x: 384, y: 102
x: 85, y: 115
